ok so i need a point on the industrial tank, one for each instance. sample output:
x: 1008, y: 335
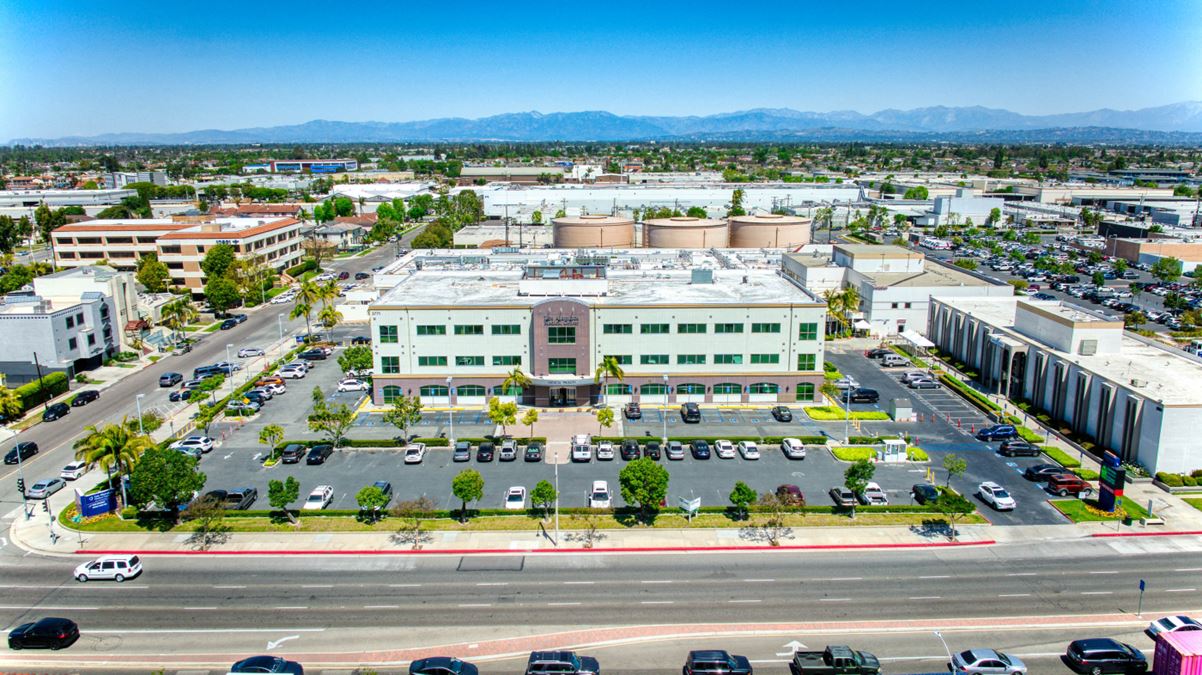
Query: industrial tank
x: 685, y: 232
x: 592, y: 231
x: 769, y: 230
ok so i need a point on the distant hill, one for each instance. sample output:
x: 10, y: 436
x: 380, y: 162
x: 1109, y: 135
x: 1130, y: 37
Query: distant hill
x: 1175, y: 123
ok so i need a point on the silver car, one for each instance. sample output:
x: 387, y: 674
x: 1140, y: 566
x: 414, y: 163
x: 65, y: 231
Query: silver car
x: 986, y: 662
x: 44, y: 488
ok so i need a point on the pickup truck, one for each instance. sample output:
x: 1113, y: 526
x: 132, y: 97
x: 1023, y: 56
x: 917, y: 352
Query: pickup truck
x: 834, y: 660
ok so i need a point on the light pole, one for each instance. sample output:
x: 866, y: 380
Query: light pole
x: 847, y: 414
x: 230, y: 360
x: 450, y: 411
x: 280, y: 321
x: 138, y: 402
x: 664, y: 414
x: 556, y: 464
x: 939, y: 635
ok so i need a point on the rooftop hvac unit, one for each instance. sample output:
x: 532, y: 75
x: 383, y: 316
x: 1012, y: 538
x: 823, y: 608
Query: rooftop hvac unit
x: 702, y: 276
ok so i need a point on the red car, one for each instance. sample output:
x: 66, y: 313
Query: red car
x: 1067, y: 484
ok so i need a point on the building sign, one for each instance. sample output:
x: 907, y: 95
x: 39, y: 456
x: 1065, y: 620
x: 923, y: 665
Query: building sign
x: 1111, y: 479
x: 233, y: 242
x: 96, y: 504
x: 561, y: 320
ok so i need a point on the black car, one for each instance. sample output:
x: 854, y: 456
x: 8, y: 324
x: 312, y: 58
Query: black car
x: 781, y: 413
x: 561, y: 663
x: 651, y: 450
x: 716, y: 662
x: 179, y: 395
x: 360, y: 276
x: 343, y: 276
x: 1104, y: 655
x: 997, y: 432
x: 862, y: 395
x: 877, y: 353
x: 267, y: 664
x: 1042, y: 472
x: 629, y: 449
x: 228, y: 324
x: 48, y: 633
x: 312, y: 355
x: 20, y: 452
x: 1018, y: 448
x: 462, y: 452
x: 485, y: 452
x: 360, y: 340
x: 256, y: 397
x: 293, y: 453
x: 700, y: 449
x: 690, y: 413
x: 925, y: 493
x: 442, y: 665
x: 170, y: 379
x: 56, y: 411
x: 632, y: 411
x: 534, y: 452
x: 318, y: 454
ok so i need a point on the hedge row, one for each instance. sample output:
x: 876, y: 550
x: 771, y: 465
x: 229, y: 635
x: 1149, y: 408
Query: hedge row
x: 34, y: 393
x: 982, y: 401
x: 1061, y: 457
x: 1180, y: 479
x: 301, y: 268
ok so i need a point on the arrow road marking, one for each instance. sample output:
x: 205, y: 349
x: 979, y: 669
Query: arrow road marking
x: 272, y: 644
x: 793, y: 646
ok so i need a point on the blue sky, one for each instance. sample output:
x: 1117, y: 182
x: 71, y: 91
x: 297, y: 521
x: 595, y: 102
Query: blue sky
x: 71, y: 67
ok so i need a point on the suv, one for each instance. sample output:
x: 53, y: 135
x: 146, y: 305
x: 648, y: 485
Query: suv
x: 293, y: 453
x: 240, y: 499
x: 485, y: 452
x: 690, y: 413
x: 997, y: 432
x: 781, y: 413
x: 318, y: 454
x: 56, y: 411
x: 1104, y: 655
x: 534, y: 452
x: 170, y: 379
x: 715, y: 662
x: 651, y: 450
x: 1066, y: 484
x: 630, y: 449
x: 312, y: 355
x: 632, y: 411
x: 508, y: 451
x: 561, y: 663
x: 1016, y: 447
x: 862, y: 395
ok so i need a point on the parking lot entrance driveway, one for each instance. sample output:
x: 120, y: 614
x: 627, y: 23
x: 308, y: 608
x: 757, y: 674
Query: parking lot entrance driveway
x: 952, y: 409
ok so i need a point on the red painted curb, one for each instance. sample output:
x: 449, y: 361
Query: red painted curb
x: 496, y: 551
x: 1112, y: 535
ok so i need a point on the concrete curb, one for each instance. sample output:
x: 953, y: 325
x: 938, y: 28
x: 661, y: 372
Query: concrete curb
x: 1114, y: 535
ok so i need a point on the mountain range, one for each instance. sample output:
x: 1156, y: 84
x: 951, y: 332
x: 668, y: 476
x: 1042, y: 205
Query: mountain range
x: 1174, y: 123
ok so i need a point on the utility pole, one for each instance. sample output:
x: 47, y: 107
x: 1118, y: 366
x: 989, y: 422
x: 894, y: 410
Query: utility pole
x: 41, y: 385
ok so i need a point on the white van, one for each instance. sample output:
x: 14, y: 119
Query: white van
x: 115, y: 567
x: 582, y: 448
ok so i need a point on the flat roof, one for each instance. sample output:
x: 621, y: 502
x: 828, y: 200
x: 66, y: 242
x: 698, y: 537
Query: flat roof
x: 888, y: 251
x: 931, y: 275
x: 1168, y: 377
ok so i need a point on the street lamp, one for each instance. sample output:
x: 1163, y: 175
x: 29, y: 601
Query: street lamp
x: 230, y: 360
x: 450, y: 411
x: 138, y: 402
x: 847, y: 414
x: 280, y: 321
x: 939, y: 635
x: 664, y: 413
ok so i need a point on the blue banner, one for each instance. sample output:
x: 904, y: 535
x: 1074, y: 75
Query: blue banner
x: 97, y: 503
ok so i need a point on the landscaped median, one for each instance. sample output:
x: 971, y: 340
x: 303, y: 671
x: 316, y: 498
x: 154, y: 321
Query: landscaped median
x: 827, y: 413
x: 1087, y: 511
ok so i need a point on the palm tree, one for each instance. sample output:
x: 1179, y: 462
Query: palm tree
x: 834, y: 304
x: 825, y: 216
x: 516, y: 379
x: 329, y: 316
x: 609, y: 368
x: 113, y: 446
x: 178, y: 313
x: 306, y: 298
x: 850, y: 302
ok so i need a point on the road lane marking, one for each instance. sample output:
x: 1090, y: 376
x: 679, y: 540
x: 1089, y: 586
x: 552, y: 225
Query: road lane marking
x: 1189, y: 569
x: 293, y: 607
x: 404, y: 585
x: 493, y: 583
x: 926, y: 597
x: 578, y: 583
x: 562, y: 604
x: 1014, y: 595
x: 1104, y: 572
x: 937, y: 576
x: 833, y: 599
x: 656, y: 581
x: 741, y: 601
x: 54, y: 607
x: 198, y: 608
x: 842, y: 579
x: 229, y: 587
x: 657, y: 602
x: 381, y: 606
x: 318, y: 586
x: 476, y: 604
x: 159, y: 631
x: 1097, y: 592
x: 759, y: 581
x: 1180, y: 590
x: 1023, y: 574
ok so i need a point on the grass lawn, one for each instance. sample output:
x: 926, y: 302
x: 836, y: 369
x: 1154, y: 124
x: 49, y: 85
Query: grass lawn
x: 278, y: 290
x: 1077, y: 510
x: 1195, y: 502
x: 917, y: 454
x: 830, y: 412
x: 1061, y: 457
x: 1087, y: 474
x: 213, y: 328
x: 853, y: 453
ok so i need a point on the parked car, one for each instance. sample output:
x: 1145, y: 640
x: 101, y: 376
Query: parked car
x: 250, y: 352
x: 319, y: 498
x: 361, y: 340
x: 48, y: 633
x: 74, y: 470
x: 462, y: 452
x: 267, y: 664
x: 561, y: 663
x: 842, y: 496
x: 924, y: 493
x: 274, y: 382
x: 170, y: 379
x: 923, y: 383
x: 873, y: 495
x: 292, y: 373
x: 599, y: 497
x: 699, y: 448
x: 996, y: 496
x: 441, y: 665
x: 360, y: 276
x: 109, y: 567
x: 45, y: 487
x: 724, y: 449
x: 1104, y: 655
x: 582, y: 449
x: 244, y: 408
x: 353, y: 385
x: 1042, y: 472
x: 257, y: 396
x: 198, y: 441
x: 228, y: 324
x: 877, y: 353
x: 675, y: 450
x: 605, y: 450
x: 715, y: 662
x: 21, y: 452
x: 485, y: 452
x: 534, y: 452
x: 239, y: 318
x: 749, y: 450
x: 415, y: 453
x: 1066, y: 484
x: 179, y: 395
x: 845, y: 383
x: 312, y: 355
x: 318, y: 454
x: 781, y: 413
x: 690, y: 413
x: 911, y: 375
x: 515, y: 498
x: 508, y: 451
x: 793, y: 448
x: 834, y: 660
x: 997, y: 432
x: 862, y: 395
x: 1171, y: 624
x: 240, y: 499
x: 986, y: 662
x: 1016, y: 447
x: 84, y: 397
x: 293, y: 453
x: 632, y: 411
x: 630, y: 449
x: 651, y: 450
x: 56, y: 411
x: 791, y: 495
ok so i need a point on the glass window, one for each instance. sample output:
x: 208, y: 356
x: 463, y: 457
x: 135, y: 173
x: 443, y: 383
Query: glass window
x: 617, y: 329
x: 728, y: 359
x: 806, y: 361
x: 434, y: 390
x: 511, y: 391
x: 653, y: 389
x: 468, y: 360
x: 391, y: 393
x: 390, y: 364
x: 764, y: 388
x: 622, y: 359
x: 72, y: 343
x: 807, y: 331
x: 654, y: 328
x: 91, y: 339
x: 690, y: 328
x: 617, y: 389
x: 429, y: 361
x: 388, y: 334
x: 728, y: 328
x: 690, y: 359
x: 507, y: 360
x: 469, y: 329
x: 690, y: 389
x: 470, y: 390
x: 70, y: 322
x: 654, y: 359
x: 765, y: 358
x: 561, y: 365
x: 805, y: 391
x: 728, y: 388
x: 507, y: 329
x: 431, y: 330
x: 561, y: 335
x: 765, y: 328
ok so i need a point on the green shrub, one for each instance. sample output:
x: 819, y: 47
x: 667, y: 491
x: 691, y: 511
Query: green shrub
x: 1189, y: 481
x: 829, y: 412
x: 1028, y: 435
x: 125, y: 356
x: 299, y: 269
x: 1170, y: 479
x: 974, y: 396
x: 1197, y: 473
x: 34, y: 393
x: 1060, y: 457
x: 865, y: 440
x: 917, y: 454
x: 1086, y: 474
x: 853, y: 454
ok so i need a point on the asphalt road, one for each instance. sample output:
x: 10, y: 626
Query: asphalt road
x: 215, y: 609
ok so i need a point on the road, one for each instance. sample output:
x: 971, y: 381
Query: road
x: 54, y: 439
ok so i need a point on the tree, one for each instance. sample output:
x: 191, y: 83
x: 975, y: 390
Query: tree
x: 412, y: 514
x: 696, y: 212
x: 357, y: 357
x: 644, y: 481
x: 167, y: 477
x: 856, y: 478
x: 218, y: 260
x: 1120, y: 266
x: 152, y: 273
x: 307, y: 297
x: 1167, y: 270
x: 115, y: 448
x: 10, y: 234
x: 741, y: 496
x: 736, y: 204
x: 371, y: 499
x: 610, y: 367
x: 282, y: 493
x: 406, y: 411
x: 178, y: 313
x: 503, y: 414
x: 955, y: 466
x: 317, y: 248
x: 11, y: 407
x: 515, y: 380
x: 208, y: 517
x: 995, y: 215
x: 329, y: 316
x: 773, y: 528
x: 953, y: 505
x: 332, y: 420
x: 271, y: 435
x: 543, y: 496
x: 221, y: 293
x: 1134, y: 319
x: 468, y: 486
x: 919, y: 192
x: 1098, y: 279
x: 605, y: 418
x: 530, y: 418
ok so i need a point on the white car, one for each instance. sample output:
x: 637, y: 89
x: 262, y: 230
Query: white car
x: 605, y: 450
x: 1171, y: 624
x: 996, y: 496
x: 319, y: 498
x: 353, y: 385
x: 201, y: 443
x: 74, y: 470
x: 598, y: 497
x: 115, y: 567
x: 846, y: 383
x: 515, y: 498
x: 749, y: 450
x: 793, y: 448
x: 873, y: 495
x: 275, y: 388
x: 724, y: 449
x: 303, y: 365
x: 414, y: 454
x: 291, y: 373
x: 248, y: 352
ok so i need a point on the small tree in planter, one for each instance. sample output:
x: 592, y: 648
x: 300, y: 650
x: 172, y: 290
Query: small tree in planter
x: 282, y: 493
x: 271, y: 435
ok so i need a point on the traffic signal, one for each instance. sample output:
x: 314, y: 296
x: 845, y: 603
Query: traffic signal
x: 45, y: 506
x: 21, y: 485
